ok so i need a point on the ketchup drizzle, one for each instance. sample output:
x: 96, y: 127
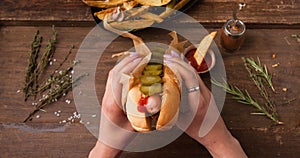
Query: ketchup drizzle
x: 142, y: 102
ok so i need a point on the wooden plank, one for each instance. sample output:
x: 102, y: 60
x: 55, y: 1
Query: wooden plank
x: 256, y: 133
x: 258, y: 13
x: 56, y: 140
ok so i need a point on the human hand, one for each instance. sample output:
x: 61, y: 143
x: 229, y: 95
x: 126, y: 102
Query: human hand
x: 115, y: 129
x: 201, y: 119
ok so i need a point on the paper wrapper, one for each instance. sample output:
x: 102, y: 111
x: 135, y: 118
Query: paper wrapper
x: 130, y: 80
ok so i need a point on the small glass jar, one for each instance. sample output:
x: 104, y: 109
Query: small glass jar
x: 232, y: 35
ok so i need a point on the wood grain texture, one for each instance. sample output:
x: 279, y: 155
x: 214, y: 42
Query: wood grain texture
x: 45, y: 137
x: 257, y: 13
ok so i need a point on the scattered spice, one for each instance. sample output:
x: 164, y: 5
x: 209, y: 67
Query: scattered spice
x: 275, y: 65
x: 297, y: 37
x: 284, y: 89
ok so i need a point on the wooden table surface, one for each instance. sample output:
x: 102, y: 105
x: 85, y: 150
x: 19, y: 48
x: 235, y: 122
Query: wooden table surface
x: 270, y: 26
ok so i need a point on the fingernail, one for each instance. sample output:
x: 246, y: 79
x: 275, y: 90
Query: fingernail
x: 137, y: 60
x: 168, y: 61
x: 134, y: 54
x: 174, y: 53
x: 168, y: 56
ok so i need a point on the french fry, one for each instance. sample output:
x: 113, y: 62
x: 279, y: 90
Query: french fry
x: 103, y: 3
x: 103, y: 13
x: 204, y: 46
x: 132, y: 24
x: 151, y: 16
x: 153, y: 2
x: 120, y: 54
x: 137, y: 12
x: 129, y: 5
x: 178, y: 6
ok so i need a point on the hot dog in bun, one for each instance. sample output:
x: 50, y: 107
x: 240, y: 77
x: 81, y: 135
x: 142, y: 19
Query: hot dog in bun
x: 154, y: 96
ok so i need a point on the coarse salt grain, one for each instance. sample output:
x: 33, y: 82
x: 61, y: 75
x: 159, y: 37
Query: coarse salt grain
x: 87, y: 123
x: 18, y: 91
x: 37, y: 116
x: 284, y: 89
x: 54, y: 60
x: 94, y: 116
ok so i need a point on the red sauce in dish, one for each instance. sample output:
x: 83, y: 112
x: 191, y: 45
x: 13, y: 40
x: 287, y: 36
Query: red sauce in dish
x: 206, y: 63
x: 142, y: 102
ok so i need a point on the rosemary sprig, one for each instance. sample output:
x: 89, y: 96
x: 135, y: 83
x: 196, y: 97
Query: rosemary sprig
x: 245, y: 98
x: 257, y: 79
x: 261, y: 70
x: 32, y: 64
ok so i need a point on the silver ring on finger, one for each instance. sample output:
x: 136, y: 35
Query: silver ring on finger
x: 193, y: 89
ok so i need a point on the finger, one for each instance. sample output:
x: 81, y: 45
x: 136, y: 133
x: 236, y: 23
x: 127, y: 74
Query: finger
x: 204, y: 90
x: 116, y: 86
x: 177, y: 59
x: 130, y: 66
x: 187, y: 75
x: 126, y: 61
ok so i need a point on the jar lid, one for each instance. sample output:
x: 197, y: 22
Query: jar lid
x: 231, y: 24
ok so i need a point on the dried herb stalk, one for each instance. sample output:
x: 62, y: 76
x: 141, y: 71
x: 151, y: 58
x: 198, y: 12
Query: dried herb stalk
x: 58, y: 84
x: 32, y: 65
x: 46, y: 57
x: 56, y: 87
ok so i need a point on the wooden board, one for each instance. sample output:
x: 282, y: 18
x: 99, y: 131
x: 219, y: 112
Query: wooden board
x: 257, y: 13
x: 45, y: 137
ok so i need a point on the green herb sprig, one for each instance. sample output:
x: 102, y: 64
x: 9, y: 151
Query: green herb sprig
x: 245, y: 98
x: 261, y: 70
x: 257, y: 79
x: 259, y: 74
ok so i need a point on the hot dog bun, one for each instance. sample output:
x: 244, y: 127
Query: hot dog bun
x: 143, y: 122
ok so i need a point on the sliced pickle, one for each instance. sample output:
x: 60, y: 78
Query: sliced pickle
x: 150, y: 90
x: 149, y: 80
x: 154, y: 67
x: 152, y: 72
